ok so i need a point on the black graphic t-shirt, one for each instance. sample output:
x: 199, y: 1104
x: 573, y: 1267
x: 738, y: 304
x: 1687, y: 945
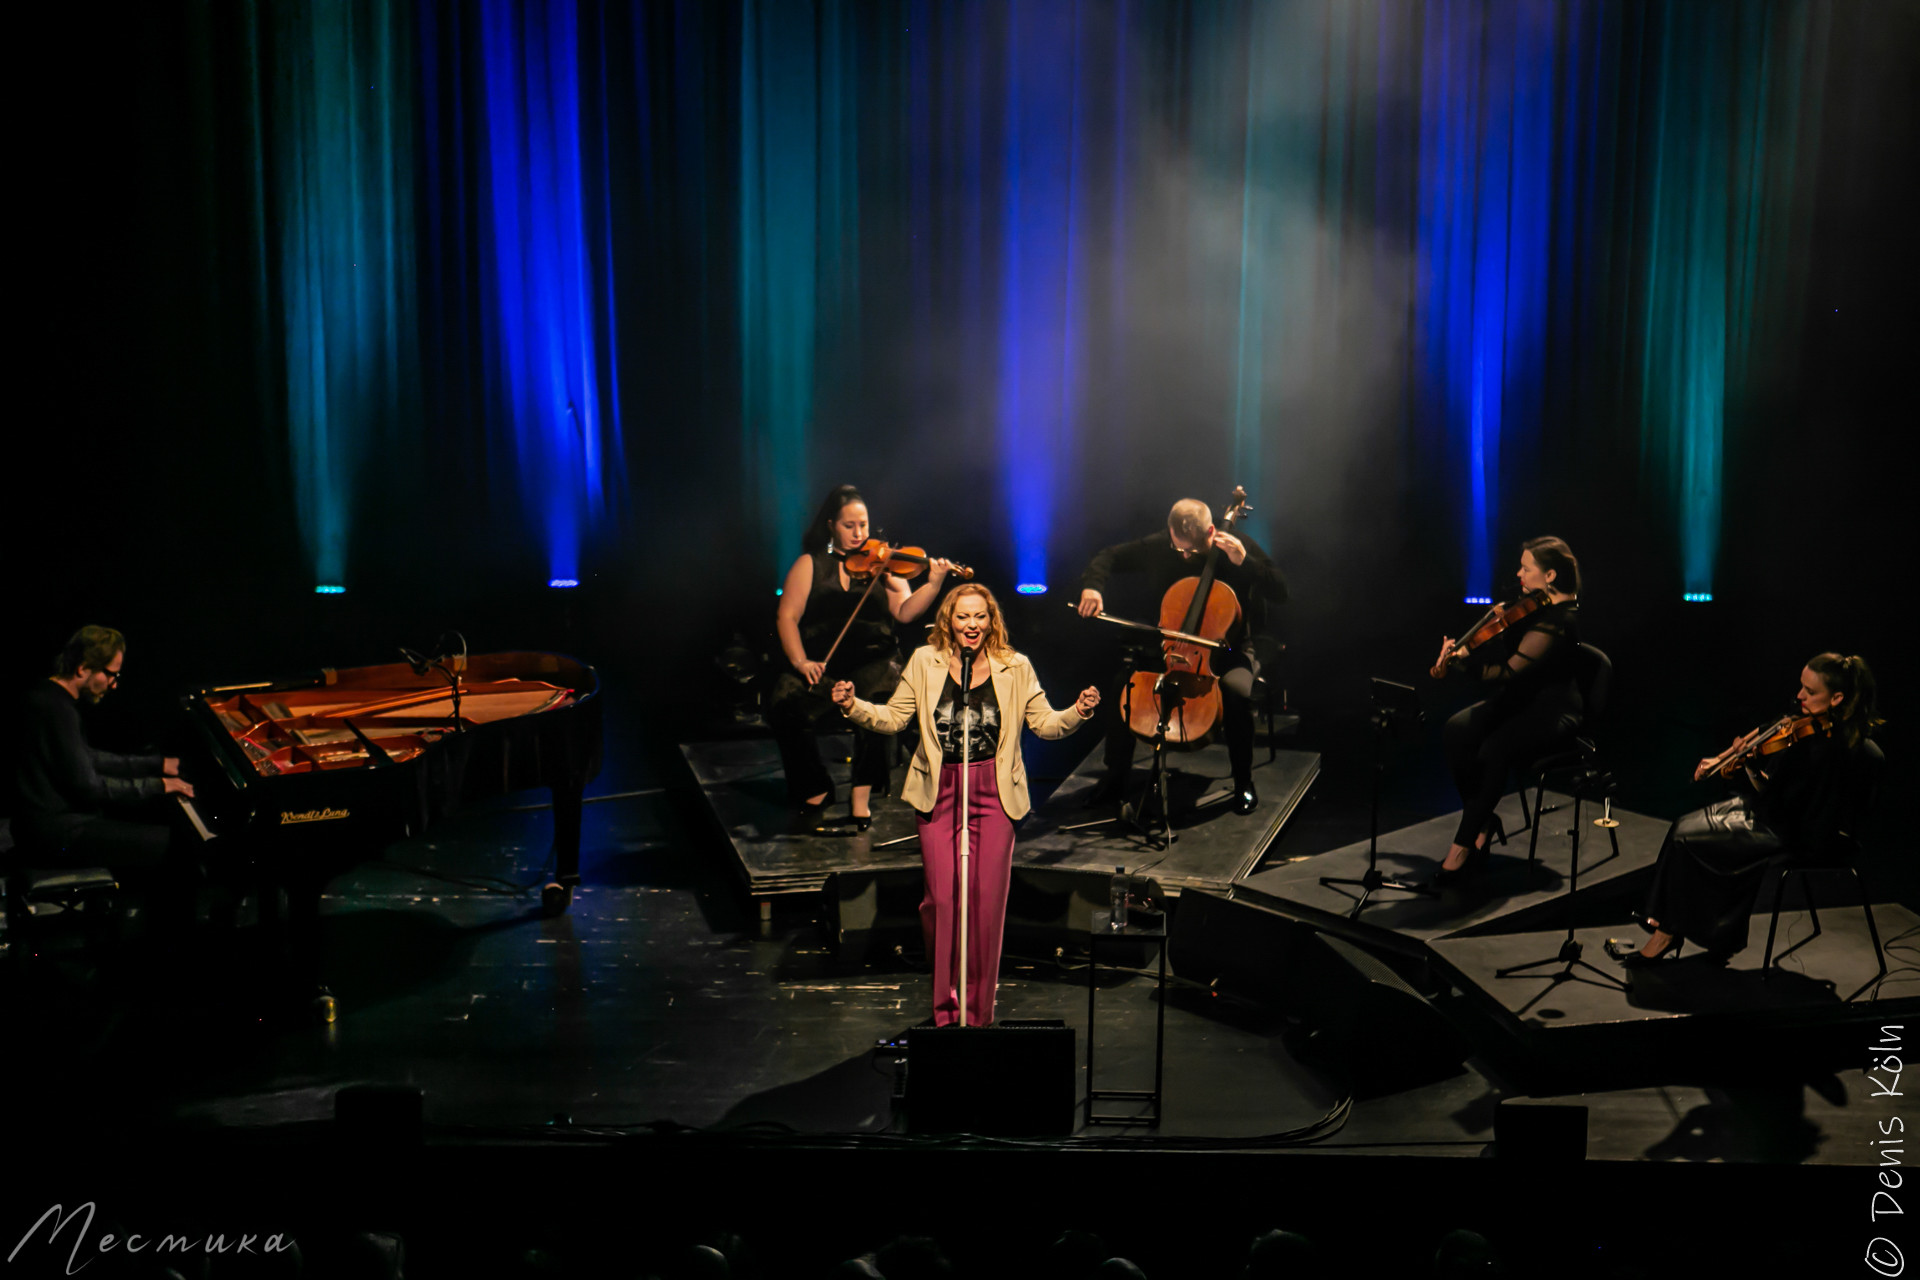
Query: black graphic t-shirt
x: 980, y: 722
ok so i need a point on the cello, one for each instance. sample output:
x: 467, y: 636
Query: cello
x: 1185, y: 699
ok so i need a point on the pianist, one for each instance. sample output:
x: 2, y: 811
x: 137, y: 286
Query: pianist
x: 78, y: 807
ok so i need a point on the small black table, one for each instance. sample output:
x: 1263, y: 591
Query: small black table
x: 1102, y: 933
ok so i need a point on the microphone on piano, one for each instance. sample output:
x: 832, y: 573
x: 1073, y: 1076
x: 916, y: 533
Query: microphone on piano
x: 419, y: 662
x: 457, y: 662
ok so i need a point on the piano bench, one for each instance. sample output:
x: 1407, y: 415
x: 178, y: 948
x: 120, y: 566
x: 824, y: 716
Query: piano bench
x: 49, y: 893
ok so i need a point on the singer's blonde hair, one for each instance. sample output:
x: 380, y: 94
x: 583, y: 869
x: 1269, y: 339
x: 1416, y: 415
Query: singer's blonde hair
x: 996, y: 639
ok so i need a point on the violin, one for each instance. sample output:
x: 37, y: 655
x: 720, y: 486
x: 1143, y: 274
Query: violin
x: 1491, y: 623
x: 876, y: 555
x: 870, y: 562
x: 1768, y: 740
x: 1186, y: 697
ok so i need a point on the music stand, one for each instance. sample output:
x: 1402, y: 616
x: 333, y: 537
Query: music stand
x: 1396, y: 709
x: 1589, y: 784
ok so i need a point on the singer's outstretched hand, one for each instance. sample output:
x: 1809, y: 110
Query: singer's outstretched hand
x: 1089, y: 699
x: 843, y: 694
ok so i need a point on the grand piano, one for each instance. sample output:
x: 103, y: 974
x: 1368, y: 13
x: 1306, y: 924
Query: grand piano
x: 315, y: 773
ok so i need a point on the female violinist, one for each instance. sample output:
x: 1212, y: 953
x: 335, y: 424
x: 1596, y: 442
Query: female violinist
x: 1709, y: 870
x: 816, y: 603
x: 1532, y: 700
x: 980, y: 723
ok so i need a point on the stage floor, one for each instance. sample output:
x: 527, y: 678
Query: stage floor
x: 657, y: 999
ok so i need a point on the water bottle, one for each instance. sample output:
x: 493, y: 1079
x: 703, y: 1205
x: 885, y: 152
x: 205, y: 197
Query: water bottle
x: 1117, y: 899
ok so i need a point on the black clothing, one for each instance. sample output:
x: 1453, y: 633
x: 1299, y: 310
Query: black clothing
x: 980, y: 725
x: 829, y: 605
x: 868, y: 656
x: 1709, y: 871
x: 78, y: 807
x: 62, y: 785
x: 1160, y: 566
x: 1533, y: 703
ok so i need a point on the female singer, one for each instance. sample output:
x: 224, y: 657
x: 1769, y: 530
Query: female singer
x: 979, y: 723
x: 1532, y: 701
x: 816, y: 601
x: 1709, y: 870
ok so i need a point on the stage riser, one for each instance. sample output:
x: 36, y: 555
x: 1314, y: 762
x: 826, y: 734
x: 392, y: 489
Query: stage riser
x: 743, y: 793
x: 1511, y: 894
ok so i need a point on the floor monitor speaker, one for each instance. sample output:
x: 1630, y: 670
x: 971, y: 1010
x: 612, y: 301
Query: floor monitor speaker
x: 1013, y: 1079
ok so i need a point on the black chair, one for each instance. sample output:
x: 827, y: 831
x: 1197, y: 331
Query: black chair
x: 1270, y: 690
x: 1573, y: 761
x: 1860, y: 805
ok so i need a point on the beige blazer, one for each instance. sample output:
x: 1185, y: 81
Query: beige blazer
x: 1015, y: 687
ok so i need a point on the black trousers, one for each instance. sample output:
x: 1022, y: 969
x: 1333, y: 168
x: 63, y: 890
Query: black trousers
x: 1709, y: 872
x: 154, y: 858
x: 1237, y: 674
x: 796, y: 712
x: 1484, y: 741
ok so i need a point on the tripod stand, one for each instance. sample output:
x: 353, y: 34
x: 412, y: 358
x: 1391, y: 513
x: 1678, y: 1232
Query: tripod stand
x: 1589, y: 784
x: 1396, y: 708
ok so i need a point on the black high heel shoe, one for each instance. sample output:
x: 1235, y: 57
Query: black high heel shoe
x: 807, y: 819
x: 1476, y: 863
x: 1494, y: 830
x: 1639, y: 960
x: 861, y: 821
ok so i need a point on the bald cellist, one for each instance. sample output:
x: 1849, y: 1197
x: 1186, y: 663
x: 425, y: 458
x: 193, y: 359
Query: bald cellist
x: 1161, y: 559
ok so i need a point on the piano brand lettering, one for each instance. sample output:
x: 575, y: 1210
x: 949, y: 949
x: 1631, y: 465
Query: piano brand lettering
x: 314, y: 815
x: 134, y: 1242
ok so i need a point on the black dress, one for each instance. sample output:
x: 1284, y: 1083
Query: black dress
x: 869, y: 656
x: 1709, y: 871
x: 1532, y: 703
x: 1160, y: 566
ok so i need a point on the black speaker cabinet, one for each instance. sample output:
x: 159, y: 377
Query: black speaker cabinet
x: 1373, y: 1025
x: 1011, y: 1080
x: 1548, y: 1133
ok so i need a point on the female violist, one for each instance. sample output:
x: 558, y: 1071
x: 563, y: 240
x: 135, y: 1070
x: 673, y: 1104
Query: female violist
x: 816, y: 602
x: 1709, y: 871
x: 1532, y: 701
x: 980, y: 723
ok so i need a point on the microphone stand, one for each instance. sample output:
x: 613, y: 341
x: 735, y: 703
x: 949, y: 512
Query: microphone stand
x: 453, y: 673
x: 1157, y: 784
x: 966, y: 772
x: 422, y: 664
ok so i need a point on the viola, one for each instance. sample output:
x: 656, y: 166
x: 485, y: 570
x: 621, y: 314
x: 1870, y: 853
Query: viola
x: 876, y: 555
x: 1491, y: 623
x: 1769, y: 740
x: 1186, y: 697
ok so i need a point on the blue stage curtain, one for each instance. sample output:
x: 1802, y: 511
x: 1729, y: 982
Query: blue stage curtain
x: 1034, y: 270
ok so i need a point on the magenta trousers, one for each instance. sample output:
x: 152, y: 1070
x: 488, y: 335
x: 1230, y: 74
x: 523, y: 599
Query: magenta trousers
x: 990, y: 864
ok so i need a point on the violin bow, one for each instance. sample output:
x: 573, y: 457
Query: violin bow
x: 878, y: 574
x: 1165, y: 633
